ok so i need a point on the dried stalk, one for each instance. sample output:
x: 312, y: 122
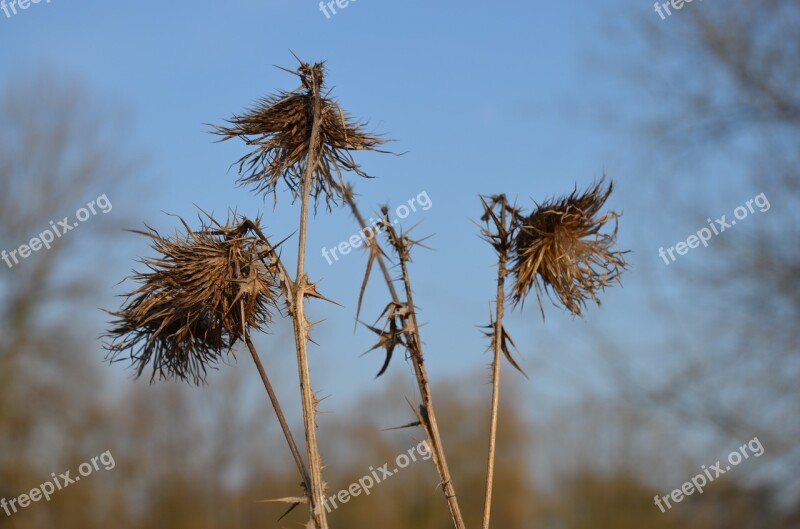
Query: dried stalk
x: 431, y: 425
x: 413, y: 344
x: 487, y: 504
x: 301, y: 467
x: 277, y: 264
x: 499, y: 236
x: 302, y: 326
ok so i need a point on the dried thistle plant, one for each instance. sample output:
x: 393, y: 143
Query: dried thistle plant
x: 559, y: 249
x: 209, y: 288
x: 281, y: 129
x: 200, y: 294
x: 499, y: 218
x: 206, y: 291
x: 302, y: 137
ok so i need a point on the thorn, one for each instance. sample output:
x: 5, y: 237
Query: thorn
x: 387, y: 340
x: 409, y: 425
x: 287, y: 499
x: 290, y: 509
x: 310, y: 290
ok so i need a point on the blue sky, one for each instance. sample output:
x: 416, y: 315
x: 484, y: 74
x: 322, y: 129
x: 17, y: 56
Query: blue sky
x: 483, y: 98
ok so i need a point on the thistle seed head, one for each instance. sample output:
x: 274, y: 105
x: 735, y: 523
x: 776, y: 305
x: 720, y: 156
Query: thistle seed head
x: 279, y: 127
x: 559, y: 249
x: 198, y: 297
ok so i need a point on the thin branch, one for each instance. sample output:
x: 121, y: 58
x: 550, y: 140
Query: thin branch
x: 279, y: 412
x: 349, y: 197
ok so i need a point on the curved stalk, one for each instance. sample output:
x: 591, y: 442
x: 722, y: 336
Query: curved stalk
x: 301, y: 467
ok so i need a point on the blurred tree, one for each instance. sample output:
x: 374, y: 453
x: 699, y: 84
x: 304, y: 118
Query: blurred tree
x: 724, y: 81
x: 57, y: 153
x: 589, y: 500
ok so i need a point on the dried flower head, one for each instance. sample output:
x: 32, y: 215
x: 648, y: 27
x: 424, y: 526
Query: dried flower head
x: 280, y: 127
x: 198, y: 298
x: 559, y: 249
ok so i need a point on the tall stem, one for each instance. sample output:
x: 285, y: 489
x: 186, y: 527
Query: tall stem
x: 302, y: 326
x: 432, y: 426
x: 497, y: 345
x: 427, y: 401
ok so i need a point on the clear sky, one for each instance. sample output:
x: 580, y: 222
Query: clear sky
x: 515, y: 97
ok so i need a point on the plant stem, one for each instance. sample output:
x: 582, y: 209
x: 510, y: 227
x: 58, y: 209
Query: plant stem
x: 500, y: 237
x: 279, y: 412
x: 302, y: 326
x: 432, y: 427
x: 497, y: 344
x: 427, y: 401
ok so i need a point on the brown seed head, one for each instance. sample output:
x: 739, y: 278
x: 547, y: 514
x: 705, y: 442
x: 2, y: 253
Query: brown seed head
x: 559, y: 249
x: 279, y: 127
x: 198, y: 298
